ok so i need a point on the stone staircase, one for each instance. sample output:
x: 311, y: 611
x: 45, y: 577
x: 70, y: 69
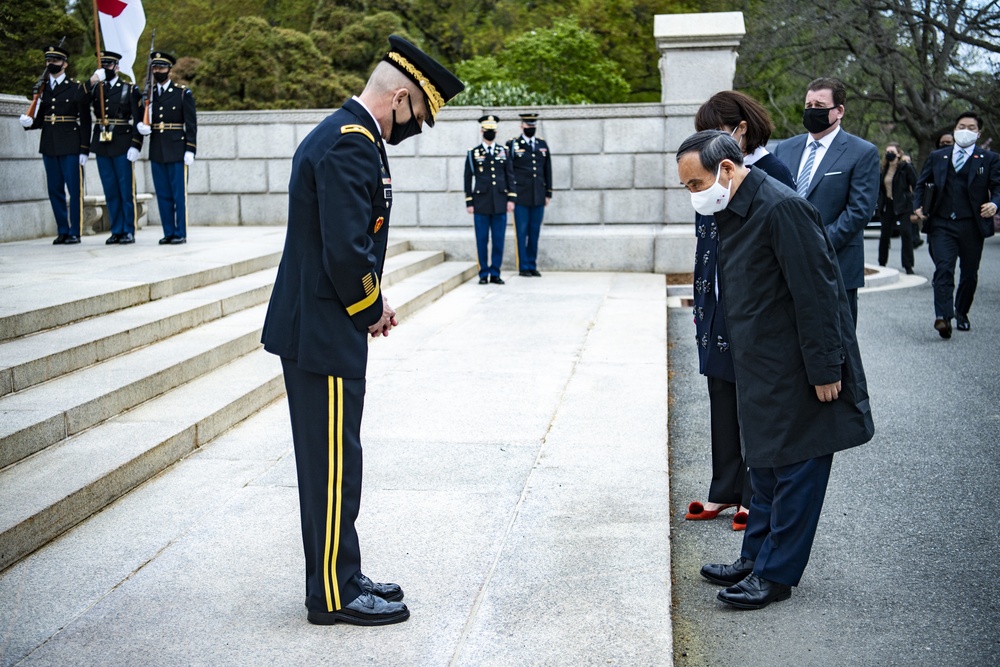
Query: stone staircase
x: 102, y: 392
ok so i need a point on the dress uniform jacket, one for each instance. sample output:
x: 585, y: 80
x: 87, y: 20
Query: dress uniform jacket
x: 174, y: 123
x: 327, y: 291
x: 791, y: 327
x: 64, y: 119
x: 489, y: 180
x: 122, y: 110
x: 532, y: 170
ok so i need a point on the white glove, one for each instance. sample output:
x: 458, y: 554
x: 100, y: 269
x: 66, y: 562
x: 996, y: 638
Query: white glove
x: 27, y: 121
x: 133, y: 154
x: 144, y: 130
x: 99, y: 74
x: 83, y: 159
x: 188, y: 158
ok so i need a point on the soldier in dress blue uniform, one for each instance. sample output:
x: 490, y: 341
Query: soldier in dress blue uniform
x: 116, y: 144
x: 533, y: 183
x: 172, y: 146
x: 327, y: 300
x: 63, y: 116
x: 489, y: 196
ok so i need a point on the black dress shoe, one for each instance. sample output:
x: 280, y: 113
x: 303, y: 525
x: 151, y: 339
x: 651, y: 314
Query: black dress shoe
x: 496, y: 280
x: 177, y: 240
x: 727, y: 575
x: 483, y: 281
x: 59, y: 240
x: 526, y: 274
x: 165, y: 240
x: 388, y: 592
x: 755, y: 593
x: 125, y: 239
x: 918, y: 243
x: 909, y: 271
x: 366, y: 609
x: 113, y: 239
x: 962, y: 322
x: 71, y: 239
x: 943, y: 327
x: 534, y: 273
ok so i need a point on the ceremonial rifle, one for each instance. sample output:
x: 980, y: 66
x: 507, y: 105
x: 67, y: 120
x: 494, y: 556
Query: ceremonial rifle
x: 147, y: 94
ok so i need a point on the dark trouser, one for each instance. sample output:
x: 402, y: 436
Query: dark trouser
x: 326, y: 431
x: 64, y: 173
x: 118, y: 179
x: 730, y: 482
x: 170, y: 182
x: 955, y: 241
x: 487, y: 226
x: 784, y: 514
x: 852, y: 300
x: 527, y: 224
x: 889, y: 219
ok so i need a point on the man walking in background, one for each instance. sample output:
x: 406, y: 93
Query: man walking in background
x: 533, y: 184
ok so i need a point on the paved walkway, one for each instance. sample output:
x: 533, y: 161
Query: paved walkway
x: 515, y: 485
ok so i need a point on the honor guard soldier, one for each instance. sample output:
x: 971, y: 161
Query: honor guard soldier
x: 489, y: 196
x: 327, y: 300
x: 63, y: 116
x: 533, y: 184
x: 172, y: 146
x: 116, y: 144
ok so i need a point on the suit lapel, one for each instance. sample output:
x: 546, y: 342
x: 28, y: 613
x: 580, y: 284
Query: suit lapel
x: 833, y: 154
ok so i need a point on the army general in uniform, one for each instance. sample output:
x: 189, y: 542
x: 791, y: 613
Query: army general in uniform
x: 327, y: 300
x: 489, y: 197
x: 533, y: 183
x: 116, y: 143
x: 172, y: 132
x: 63, y: 116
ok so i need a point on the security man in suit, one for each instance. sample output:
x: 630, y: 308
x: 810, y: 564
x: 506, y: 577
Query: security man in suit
x: 63, y: 116
x: 533, y: 184
x: 965, y: 181
x: 172, y: 146
x: 327, y: 300
x: 116, y: 143
x: 489, y: 196
x: 837, y: 173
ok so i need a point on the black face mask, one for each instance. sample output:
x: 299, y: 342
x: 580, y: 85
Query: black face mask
x: 816, y: 120
x: 889, y: 157
x: 406, y: 130
x: 489, y: 135
x: 109, y: 73
x: 160, y: 77
x: 54, y: 68
x: 529, y: 132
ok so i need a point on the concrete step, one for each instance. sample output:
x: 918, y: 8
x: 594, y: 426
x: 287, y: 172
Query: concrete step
x: 427, y: 286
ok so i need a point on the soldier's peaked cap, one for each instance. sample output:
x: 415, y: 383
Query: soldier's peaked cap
x: 110, y: 55
x: 54, y: 51
x: 489, y: 122
x: 162, y: 58
x: 529, y: 118
x: 438, y: 84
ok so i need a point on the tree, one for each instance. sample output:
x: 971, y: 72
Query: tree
x: 25, y: 29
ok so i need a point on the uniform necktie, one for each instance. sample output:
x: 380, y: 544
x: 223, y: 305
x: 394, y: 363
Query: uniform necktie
x: 960, y: 159
x: 805, y: 176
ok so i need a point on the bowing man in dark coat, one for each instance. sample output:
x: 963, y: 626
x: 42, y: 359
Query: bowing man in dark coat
x: 800, y: 383
x: 327, y: 300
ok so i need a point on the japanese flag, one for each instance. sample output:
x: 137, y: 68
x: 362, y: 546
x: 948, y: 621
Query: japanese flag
x: 122, y: 22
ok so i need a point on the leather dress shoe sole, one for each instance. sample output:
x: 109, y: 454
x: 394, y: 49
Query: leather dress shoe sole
x: 366, y: 609
x: 962, y: 323
x: 728, y: 575
x: 943, y: 327
x: 754, y: 593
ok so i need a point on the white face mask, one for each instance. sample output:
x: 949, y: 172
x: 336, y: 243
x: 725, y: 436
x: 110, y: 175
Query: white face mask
x: 965, y: 138
x: 714, y: 199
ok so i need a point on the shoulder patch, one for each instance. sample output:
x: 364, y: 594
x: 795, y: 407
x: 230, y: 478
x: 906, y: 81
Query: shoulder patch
x: 360, y: 129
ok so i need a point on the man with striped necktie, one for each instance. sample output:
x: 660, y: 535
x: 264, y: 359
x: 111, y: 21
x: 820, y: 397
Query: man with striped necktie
x: 837, y: 173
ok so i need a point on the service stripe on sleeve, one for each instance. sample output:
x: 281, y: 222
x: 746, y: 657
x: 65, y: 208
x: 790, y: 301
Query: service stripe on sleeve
x: 356, y: 308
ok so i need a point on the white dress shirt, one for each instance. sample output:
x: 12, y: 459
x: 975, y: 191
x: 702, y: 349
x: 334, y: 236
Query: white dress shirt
x: 824, y: 144
x: 358, y: 100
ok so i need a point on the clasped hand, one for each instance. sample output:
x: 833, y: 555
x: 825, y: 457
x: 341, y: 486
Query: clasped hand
x: 386, y: 322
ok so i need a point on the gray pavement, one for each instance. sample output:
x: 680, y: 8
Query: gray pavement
x: 904, y: 568
x: 516, y: 486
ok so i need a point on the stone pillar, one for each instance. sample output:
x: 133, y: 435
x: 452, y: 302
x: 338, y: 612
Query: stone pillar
x: 697, y: 54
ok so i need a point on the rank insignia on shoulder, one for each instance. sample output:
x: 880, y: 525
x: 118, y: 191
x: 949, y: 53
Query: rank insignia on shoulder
x: 379, y: 223
x: 360, y: 129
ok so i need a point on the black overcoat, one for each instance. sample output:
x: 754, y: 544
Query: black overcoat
x: 790, y: 327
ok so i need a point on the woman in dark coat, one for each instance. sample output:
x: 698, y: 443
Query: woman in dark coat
x: 749, y: 123
x: 895, y: 203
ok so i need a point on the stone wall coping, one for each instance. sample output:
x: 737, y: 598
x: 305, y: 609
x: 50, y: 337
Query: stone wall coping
x: 698, y: 31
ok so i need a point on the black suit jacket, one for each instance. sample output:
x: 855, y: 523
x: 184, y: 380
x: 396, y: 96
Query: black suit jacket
x: 983, y: 184
x: 121, y: 104
x: 63, y: 116
x: 174, y: 107
x: 327, y: 291
x: 489, y: 180
x: 902, y: 189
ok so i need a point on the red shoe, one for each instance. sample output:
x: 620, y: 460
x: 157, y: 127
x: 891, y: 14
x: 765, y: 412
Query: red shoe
x: 740, y: 520
x: 697, y: 512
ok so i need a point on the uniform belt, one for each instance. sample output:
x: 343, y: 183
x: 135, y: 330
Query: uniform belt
x: 60, y: 119
x: 117, y: 121
x: 168, y: 126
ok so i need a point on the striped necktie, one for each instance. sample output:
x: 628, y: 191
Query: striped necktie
x: 960, y: 158
x: 805, y: 176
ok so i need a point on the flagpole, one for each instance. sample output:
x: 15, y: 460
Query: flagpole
x: 97, y: 45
